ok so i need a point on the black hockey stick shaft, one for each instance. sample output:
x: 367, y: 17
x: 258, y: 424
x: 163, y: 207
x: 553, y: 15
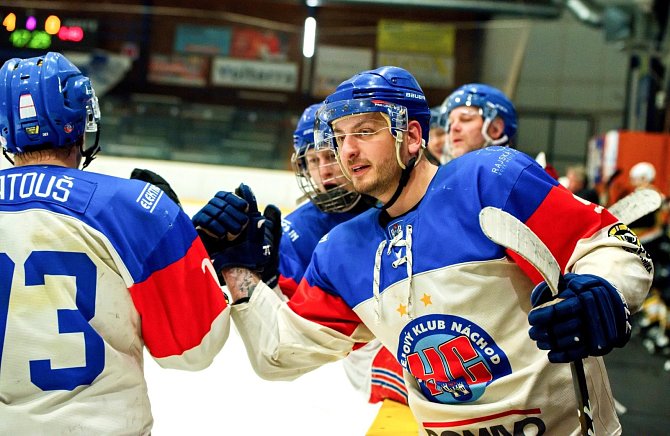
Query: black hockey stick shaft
x: 506, y: 230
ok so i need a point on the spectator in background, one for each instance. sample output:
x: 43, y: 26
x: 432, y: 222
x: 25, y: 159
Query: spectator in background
x: 577, y: 183
x: 651, y: 230
x: 650, y: 227
x: 615, y: 188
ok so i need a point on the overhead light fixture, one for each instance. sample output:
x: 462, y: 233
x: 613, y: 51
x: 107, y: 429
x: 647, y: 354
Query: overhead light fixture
x: 309, y: 37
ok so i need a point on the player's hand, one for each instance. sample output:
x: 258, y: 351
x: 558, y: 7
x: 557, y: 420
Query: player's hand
x: 589, y: 317
x: 258, y: 249
x: 156, y: 180
x: 221, y: 221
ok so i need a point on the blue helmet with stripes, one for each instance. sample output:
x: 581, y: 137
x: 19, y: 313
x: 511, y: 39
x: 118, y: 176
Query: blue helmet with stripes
x: 46, y: 102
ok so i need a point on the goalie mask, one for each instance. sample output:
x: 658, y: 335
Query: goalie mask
x: 317, y: 172
x: 46, y: 103
x: 490, y: 102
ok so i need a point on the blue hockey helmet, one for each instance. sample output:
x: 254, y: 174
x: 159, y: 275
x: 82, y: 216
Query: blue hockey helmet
x: 46, y: 102
x: 438, y: 116
x: 390, y: 90
x: 491, y: 101
x: 303, y: 136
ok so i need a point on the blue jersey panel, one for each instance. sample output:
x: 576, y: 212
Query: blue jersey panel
x: 301, y: 231
x: 148, y: 216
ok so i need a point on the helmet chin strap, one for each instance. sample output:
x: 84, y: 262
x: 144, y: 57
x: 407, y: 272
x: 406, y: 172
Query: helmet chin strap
x: 6, y: 154
x: 90, y: 153
x: 406, y: 170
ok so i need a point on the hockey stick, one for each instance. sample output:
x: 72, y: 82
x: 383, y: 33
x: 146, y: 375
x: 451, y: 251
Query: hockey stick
x: 636, y: 205
x: 506, y: 230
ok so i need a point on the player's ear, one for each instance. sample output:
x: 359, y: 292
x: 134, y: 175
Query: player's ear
x: 414, y: 137
x: 497, y: 128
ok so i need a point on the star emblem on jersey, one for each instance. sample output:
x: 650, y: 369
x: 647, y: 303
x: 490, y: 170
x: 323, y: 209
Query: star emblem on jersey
x: 402, y: 310
x: 426, y: 300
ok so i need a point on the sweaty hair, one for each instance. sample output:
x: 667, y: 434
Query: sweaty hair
x: 36, y: 156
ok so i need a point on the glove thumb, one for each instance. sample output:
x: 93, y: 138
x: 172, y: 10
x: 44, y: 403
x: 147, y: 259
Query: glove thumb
x: 541, y: 295
x: 273, y: 215
x: 244, y: 191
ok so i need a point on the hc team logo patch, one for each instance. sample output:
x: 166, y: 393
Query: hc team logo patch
x: 452, y: 359
x: 394, y: 229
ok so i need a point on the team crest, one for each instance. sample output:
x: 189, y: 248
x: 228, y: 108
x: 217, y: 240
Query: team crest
x: 452, y: 359
x: 68, y: 128
x: 394, y: 229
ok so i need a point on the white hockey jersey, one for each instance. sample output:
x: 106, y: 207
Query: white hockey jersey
x: 92, y: 269
x: 450, y: 304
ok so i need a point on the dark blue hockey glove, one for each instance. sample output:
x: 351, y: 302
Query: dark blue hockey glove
x: 273, y: 233
x: 156, y: 180
x: 223, y: 218
x: 258, y: 249
x: 589, y: 317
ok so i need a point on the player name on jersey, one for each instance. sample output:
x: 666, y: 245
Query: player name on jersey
x: 19, y: 186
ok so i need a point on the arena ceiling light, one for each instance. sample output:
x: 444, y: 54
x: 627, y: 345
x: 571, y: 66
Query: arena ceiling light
x: 309, y: 37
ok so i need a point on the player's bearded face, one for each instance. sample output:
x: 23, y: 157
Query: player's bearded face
x: 368, y: 157
x: 384, y: 179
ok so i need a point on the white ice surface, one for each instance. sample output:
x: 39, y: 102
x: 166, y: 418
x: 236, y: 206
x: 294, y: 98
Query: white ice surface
x: 228, y: 398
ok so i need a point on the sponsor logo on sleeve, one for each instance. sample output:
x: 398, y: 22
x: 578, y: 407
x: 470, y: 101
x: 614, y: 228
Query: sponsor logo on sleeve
x: 149, y: 197
x: 623, y: 233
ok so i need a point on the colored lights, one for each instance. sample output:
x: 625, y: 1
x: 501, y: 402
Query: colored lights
x: 31, y: 23
x: 73, y: 33
x: 36, y: 34
x: 10, y: 22
x: 52, y: 25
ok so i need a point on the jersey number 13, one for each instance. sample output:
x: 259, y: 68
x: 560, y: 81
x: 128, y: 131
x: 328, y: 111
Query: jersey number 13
x: 38, y: 265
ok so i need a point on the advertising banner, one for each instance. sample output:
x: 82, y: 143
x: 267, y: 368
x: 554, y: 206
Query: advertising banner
x: 336, y: 64
x: 182, y: 70
x: 238, y: 73
x: 209, y: 40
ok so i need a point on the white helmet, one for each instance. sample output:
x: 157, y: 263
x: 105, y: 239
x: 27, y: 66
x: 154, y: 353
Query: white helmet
x: 643, y: 171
